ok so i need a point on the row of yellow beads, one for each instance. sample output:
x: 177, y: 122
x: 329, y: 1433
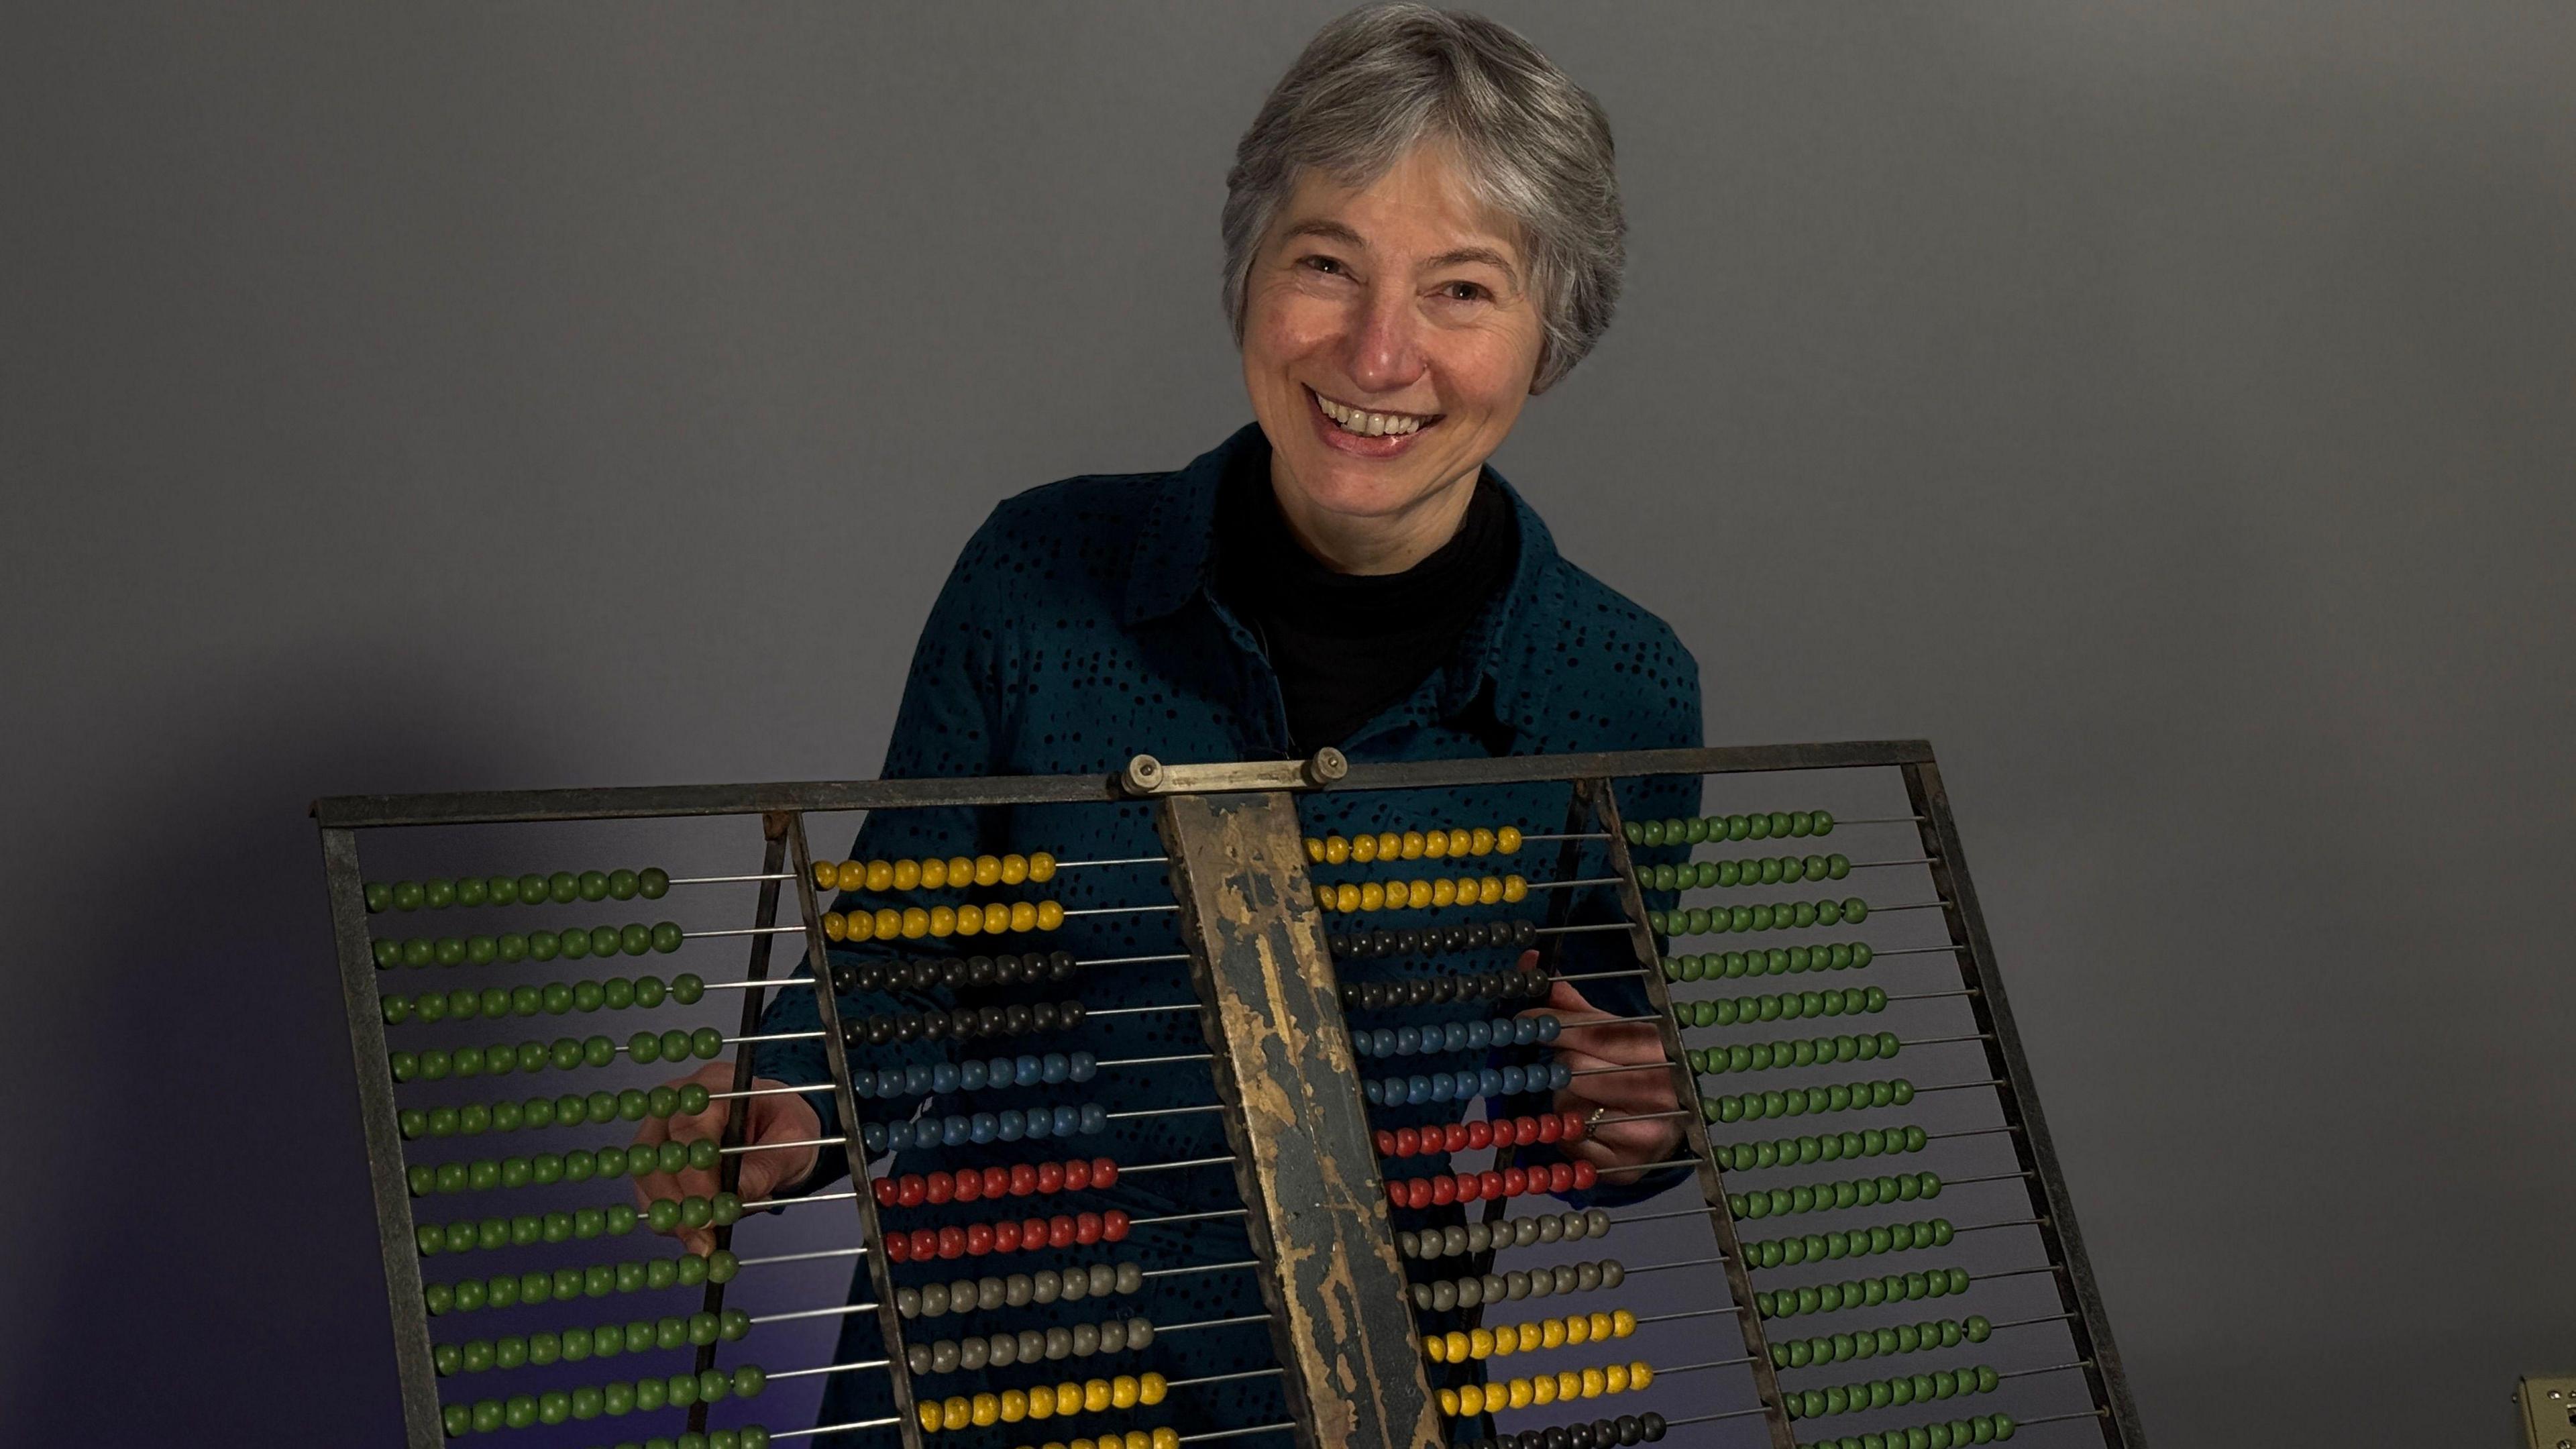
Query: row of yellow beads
x: 932, y: 874
x: 1163, y: 1438
x: 1412, y: 845
x: 1397, y: 895
x: 914, y: 922
x: 1524, y: 1338
x: 1572, y: 1384
x: 1043, y: 1402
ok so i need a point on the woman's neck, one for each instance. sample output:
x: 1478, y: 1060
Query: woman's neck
x: 1383, y: 545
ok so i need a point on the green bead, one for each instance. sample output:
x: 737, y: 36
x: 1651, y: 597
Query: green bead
x: 458, y: 1419
x: 396, y: 1009
x: 649, y: 991
x: 1635, y: 832
x: 513, y: 946
x: 527, y: 1000
x: 707, y: 1042
x: 605, y: 940
x: 599, y: 1051
x: 652, y: 882
x: 687, y: 988
x: 617, y: 992
x: 563, y: 887
x: 544, y: 945
x: 502, y: 890
x: 593, y: 885
x: 579, y: 996
x: 600, y: 1107
x: 622, y: 884
x: 645, y: 1046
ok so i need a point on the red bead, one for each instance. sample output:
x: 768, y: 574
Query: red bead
x: 886, y: 1190
x: 1050, y: 1177
x: 925, y: 1243
x: 1385, y: 1141
x: 1034, y: 1233
x: 1006, y: 1236
x: 1515, y: 1181
x: 1059, y: 1232
x: 1408, y: 1141
x: 1395, y: 1196
x: 1454, y: 1137
x: 1575, y: 1126
x: 997, y: 1181
x: 939, y: 1187
x: 1104, y: 1172
x: 1113, y: 1226
x: 898, y: 1248
x: 970, y: 1185
x: 1468, y: 1187
x: 909, y: 1190
x: 1024, y: 1179
x: 1550, y: 1127
x: 1490, y: 1183
x: 1560, y: 1177
x: 952, y: 1241
x: 979, y: 1239
x: 1086, y: 1228
x: 1417, y: 1192
x: 1444, y: 1190
x: 1585, y: 1175
x: 1524, y: 1131
x: 1077, y: 1175
x: 1480, y: 1133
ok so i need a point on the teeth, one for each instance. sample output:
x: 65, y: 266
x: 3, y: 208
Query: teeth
x: 1369, y: 424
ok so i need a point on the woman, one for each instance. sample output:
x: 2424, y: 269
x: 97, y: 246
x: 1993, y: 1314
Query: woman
x: 1422, y: 231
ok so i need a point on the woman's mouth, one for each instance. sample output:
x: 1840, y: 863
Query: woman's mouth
x: 1358, y: 422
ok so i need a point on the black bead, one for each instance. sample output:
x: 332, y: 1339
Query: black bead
x: 1071, y: 1013
x: 854, y: 1032
x: 871, y: 977
x: 906, y: 1027
x: 880, y: 1030
x: 1579, y: 1436
x: 845, y: 978
x: 1628, y: 1429
x: 1524, y: 933
x: 934, y: 1025
x: 1060, y: 966
x: 1453, y: 938
x: 952, y: 973
x: 1015, y: 1018
x: 1042, y: 1016
x: 1651, y: 1425
x: 1408, y: 942
x: 979, y: 970
x: 992, y: 1020
x: 1553, y: 1437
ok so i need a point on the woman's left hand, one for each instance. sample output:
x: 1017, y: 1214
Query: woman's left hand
x: 1615, y: 1148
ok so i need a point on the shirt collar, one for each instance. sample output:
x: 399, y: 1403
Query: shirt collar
x: 1175, y: 541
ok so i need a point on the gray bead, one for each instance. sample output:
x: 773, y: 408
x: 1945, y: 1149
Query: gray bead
x: 972, y: 1353
x: 917, y: 1358
x: 988, y: 1293
x: 1470, y: 1291
x: 1076, y: 1284
x: 1444, y: 1296
x: 1032, y: 1345
x: 1613, y: 1272
x: 1086, y: 1339
x: 1422, y: 1295
x: 1599, y: 1218
x: 1111, y: 1337
x: 907, y: 1301
x: 1456, y: 1240
x: 1549, y: 1228
x: 1140, y: 1332
x: 1587, y: 1276
x: 1059, y: 1344
x: 1016, y: 1290
x: 1496, y: 1290
x: 934, y: 1299
x: 943, y: 1356
x: 963, y: 1295
x: 1530, y: 1230
x: 1577, y: 1227
x: 1104, y: 1280
x: 1565, y: 1278
x: 1516, y: 1285
x: 1131, y: 1276
x: 1004, y: 1348
x: 1406, y: 1244
x: 1046, y: 1286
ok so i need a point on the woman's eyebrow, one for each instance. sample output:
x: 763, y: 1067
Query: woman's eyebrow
x: 1462, y: 256
x: 1326, y: 230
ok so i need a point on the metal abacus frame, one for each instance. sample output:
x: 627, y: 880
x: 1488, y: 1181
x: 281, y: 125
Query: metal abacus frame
x: 1352, y: 1360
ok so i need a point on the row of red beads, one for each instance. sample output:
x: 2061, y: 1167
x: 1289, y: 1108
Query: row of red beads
x: 1018, y: 1180
x: 1449, y: 1187
x: 974, y: 1240
x: 1464, y: 1136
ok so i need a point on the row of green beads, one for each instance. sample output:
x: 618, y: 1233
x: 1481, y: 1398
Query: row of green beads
x: 1830, y: 1196
x: 616, y: 1400
x: 569, y: 1110
x: 1879, y: 1343
x: 562, y: 1285
x: 615, y: 1220
x: 749, y: 1436
x: 1785, y: 1006
x: 1862, y: 1293
x: 1799, y: 1101
x: 634, y: 938
x: 1719, y: 920
x: 573, y: 1345
x: 1831, y: 1147
x: 1890, y: 1393
x: 1776, y: 825
x: 552, y: 999
x: 1849, y: 1243
x: 533, y: 889
x: 545, y: 1169
x: 566, y: 1053
x: 1769, y: 870
x: 1983, y: 1429
x: 1762, y: 1056
x: 1777, y: 961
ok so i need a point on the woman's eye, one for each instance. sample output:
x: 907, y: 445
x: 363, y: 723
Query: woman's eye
x: 1327, y: 265
x: 1464, y: 292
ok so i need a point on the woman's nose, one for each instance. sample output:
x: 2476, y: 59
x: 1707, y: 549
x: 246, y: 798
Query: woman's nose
x: 1385, y: 342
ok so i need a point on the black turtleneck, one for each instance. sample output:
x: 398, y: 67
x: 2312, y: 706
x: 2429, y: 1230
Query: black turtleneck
x: 1347, y: 646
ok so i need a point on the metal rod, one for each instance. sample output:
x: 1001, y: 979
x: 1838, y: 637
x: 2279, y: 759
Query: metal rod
x: 1679, y: 1263
x: 1597, y: 975
x: 2059, y: 1418
x: 746, y: 931
x: 1156, y: 1061
x: 1166, y: 1112
x: 781, y: 1146
x: 2006, y: 1223
x: 1119, y: 910
x: 1700, y: 1418
x: 1166, y: 1166
x: 858, y: 1252
x: 1127, y: 860
x: 788, y: 1202
x: 1998, y: 1177
x: 1193, y: 1217
x: 1920, y: 951
x: 1162, y: 1328
x: 2026, y: 1322
x: 1202, y: 1268
x: 1235, y: 1433
x: 1970, y: 1132
x: 1559, y: 885
x: 830, y: 1368
x: 1134, y: 960
x: 1692, y: 1313
x: 777, y: 1434
x: 720, y: 879
x: 1908, y: 906
x: 1932, y: 995
x: 1944, y: 1040
x: 1571, y: 930
x: 1632, y: 1067
x: 1571, y: 835
x: 2055, y: 1368
x: 1692, y: 1368
x: 1957, y: 1086
x: 768, y: 1091
x: 1262, y: 1373
x: 1141, y: 1010
x: 836, y: 1311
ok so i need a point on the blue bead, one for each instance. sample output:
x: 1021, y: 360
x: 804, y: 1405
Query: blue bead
x: 1548, y: 1027
x: 1480, y: 1033
x: 1417, y: 1090
x: 970, y: 1075
x: 1095, y: 1118
x: 1053, y: 1067
x: 983, y: 1127
x: 1374, y: 1091
x: 943, y: 1077
x: 1001, y: 1071
x: 1041, y: 1124
x: 955, y: 1131
x: 1085, y: 1066
x: 1025, y: 1071
x: 863, y: 1084
x: 1524, y: 1031
x: 873, y: 1136
x: 1408, y: 1040
x: 925, y: 1132
x: 916, y: 1077
x: 1013, y: 1127
x: 1489, y: 1082
x: 1442, y: 1087
x: 1560, y: 1076
x: 889, y: 1081
x: 1453, y: 1037
x: 1068, y: 1120
x: 1515, y: 1081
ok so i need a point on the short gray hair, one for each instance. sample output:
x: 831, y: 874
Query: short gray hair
x: 1380, y: 80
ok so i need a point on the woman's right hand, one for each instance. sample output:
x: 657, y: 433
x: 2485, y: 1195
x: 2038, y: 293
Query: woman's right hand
x: 778, y: 1117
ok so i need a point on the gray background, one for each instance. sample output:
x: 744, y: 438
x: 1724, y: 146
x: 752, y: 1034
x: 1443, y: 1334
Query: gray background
x: 2171, y: 412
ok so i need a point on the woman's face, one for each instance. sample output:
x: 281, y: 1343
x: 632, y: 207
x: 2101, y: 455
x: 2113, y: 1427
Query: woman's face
x: 1389, y: 340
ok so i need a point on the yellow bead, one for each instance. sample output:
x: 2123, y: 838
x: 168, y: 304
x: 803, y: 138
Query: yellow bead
x: 988, y: 870
x: 1471, y: 1400
x: 835, y: 927
x: 1364, y: 848
x: 1083, y: 1444
x: 1041, y: 866
x: 890, y: 923
x: 1024, y: 915
x: 1444, y: 892
x: 1050, y: 915
x: 1462, y: 841
x: 1458, y: 1346
x: 916, y: 923
x: 1449, y: 1402
x: 1324, y: 898
x: 1639, y: 1375
x: 1373, y: 897
x: 934, y: 874
x: 1466, y: 888
x: 1151, y: 1389
x: 957, y: 1413
x: 1417, y: 894
x: 1515, y: 888
x: 969, y: 920
x: 1167, y: 1438
x: 1413, y: 845
x: 1593, y: 1384
x: 1481, y: 841
x: 1435, y: 844
x: 961, y: 869
x: 1015, y: 1405
x: 1434, y: 1350
x: 1337, y: 851
x: 1578, y: 1330
x: 1532, y: 1337
x: 1480, y: 1344
x: 1139, y: 1439
x: 1314, y: 850
x: 1602, y: 1327
x: 859, y: 925
x: 907, y: 875
x: 1346, y: 897
x: 1543, y: 1390
x: 1622, y: 1323
x: 1015, y: 869
x: 929, y: 1415
x: 988, y: 1410
x: 1489, y: 889
x: 943, y: 920
x: 827, y: 876
x: 997, y: 917
x: 1615, y: 1378
x: 1096, y: 1394
x: 1551, y: 1333
x: 880, y: 875
x: 1569, y: 1385
x: 1390, y: 846
x: 1508, y: 839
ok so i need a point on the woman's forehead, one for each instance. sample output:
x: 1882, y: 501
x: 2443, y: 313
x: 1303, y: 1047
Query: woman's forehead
x: 1426, y: 207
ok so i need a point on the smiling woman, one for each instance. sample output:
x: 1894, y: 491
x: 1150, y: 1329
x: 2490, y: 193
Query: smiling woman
x: 1422, y: 231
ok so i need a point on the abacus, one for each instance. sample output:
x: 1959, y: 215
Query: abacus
x: 1861, y: 1239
